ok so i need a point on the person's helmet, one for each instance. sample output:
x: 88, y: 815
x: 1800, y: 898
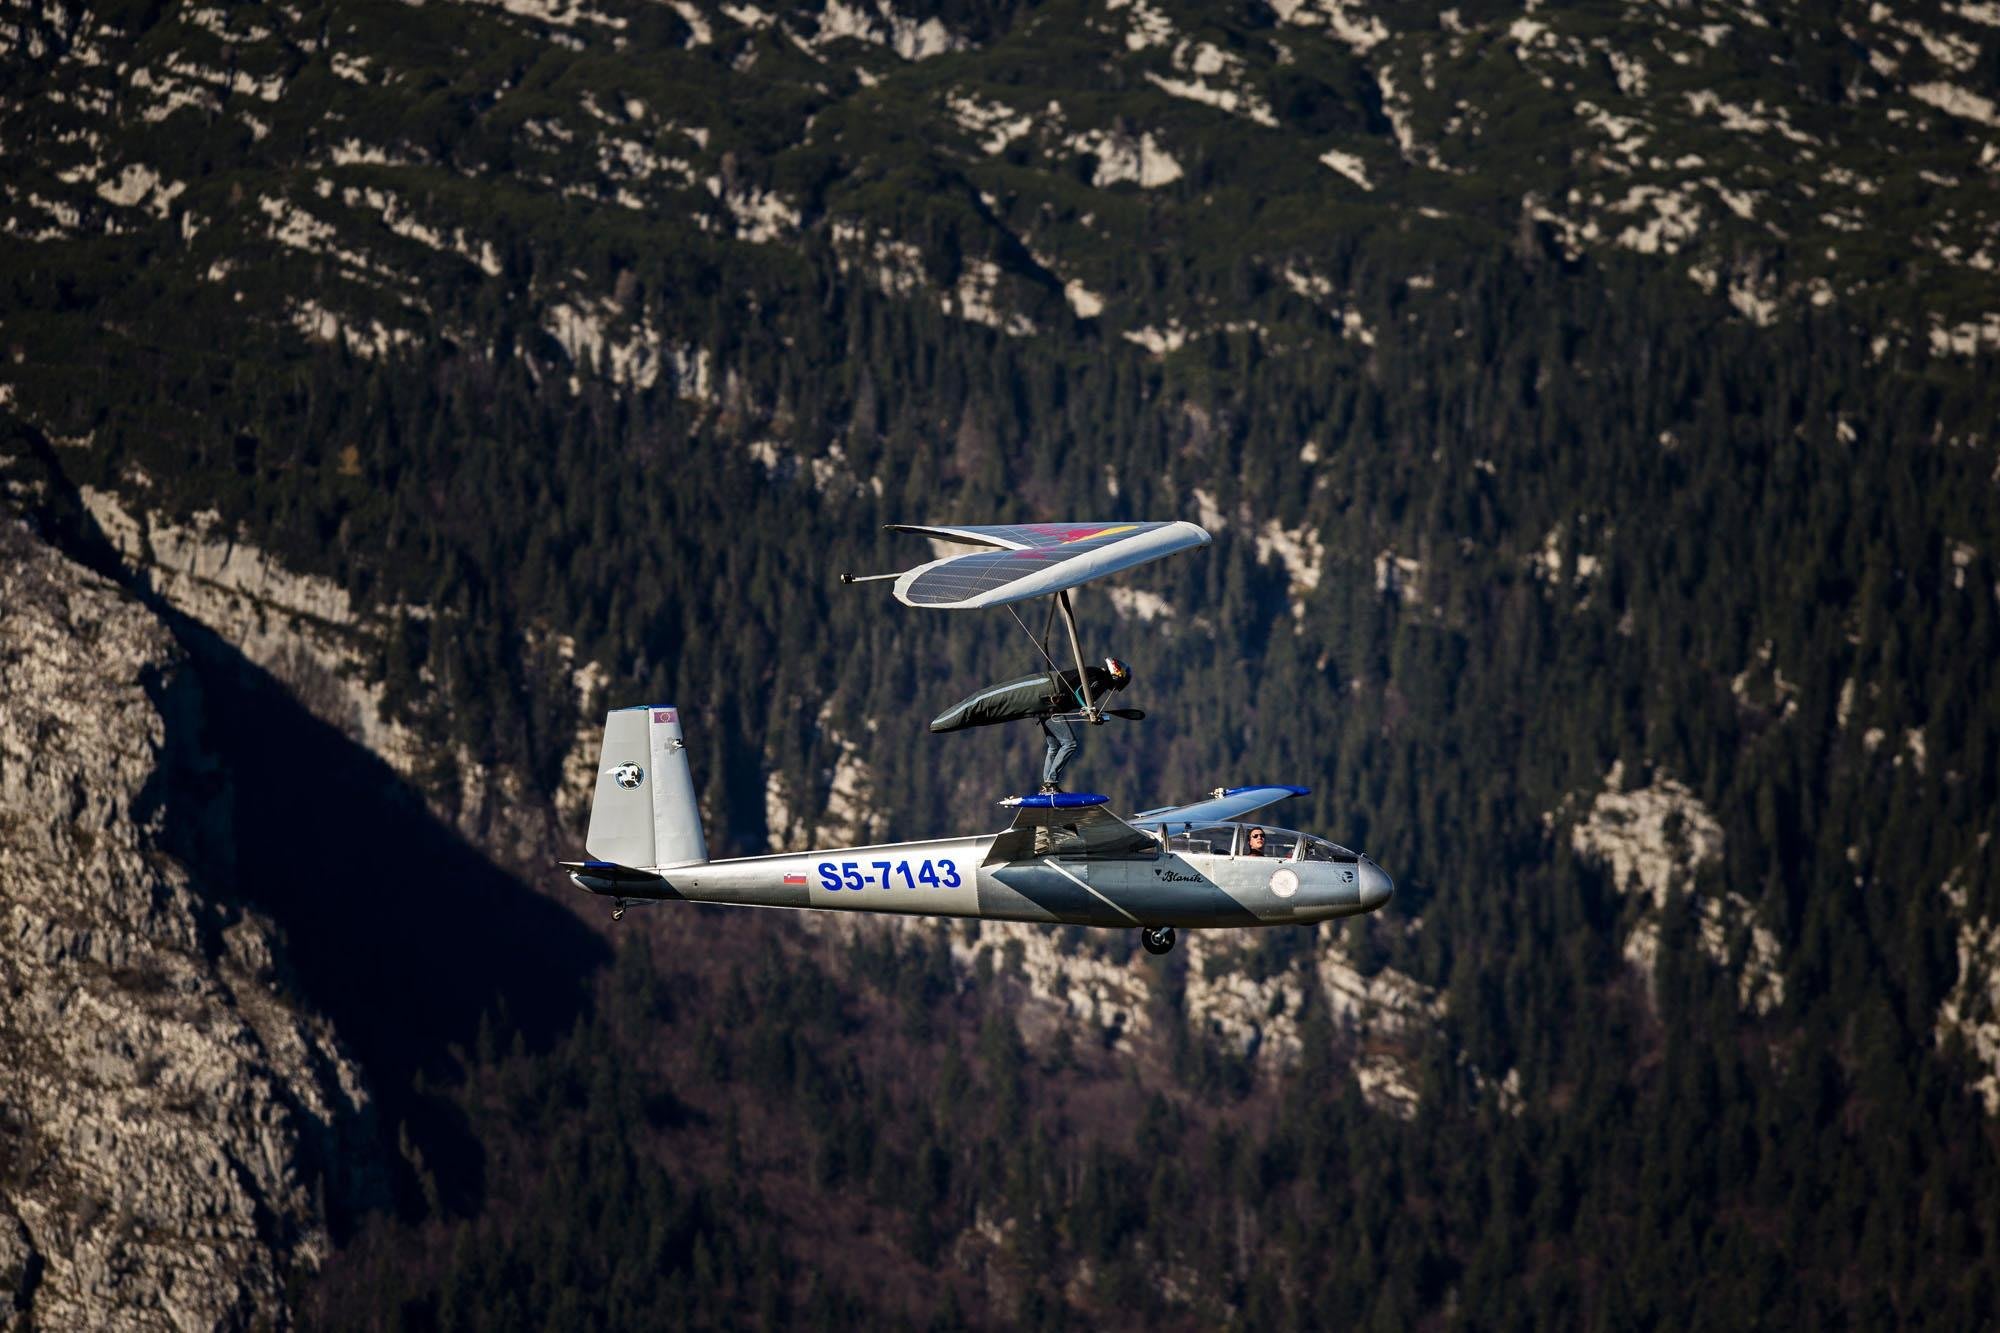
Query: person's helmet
x: 1121, y: 675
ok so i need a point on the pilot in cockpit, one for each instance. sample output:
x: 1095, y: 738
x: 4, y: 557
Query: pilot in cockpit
x: 1256, y: 843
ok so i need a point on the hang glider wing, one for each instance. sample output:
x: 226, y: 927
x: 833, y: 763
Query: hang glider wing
x: 1034, y: 560
x: 1075, y: 825
x: 1234, y: 803
x: 1005, y: 537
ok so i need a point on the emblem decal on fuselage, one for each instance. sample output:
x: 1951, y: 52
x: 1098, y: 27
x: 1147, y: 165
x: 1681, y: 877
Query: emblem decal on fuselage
x: 1285, y: 883
x: 628, y: 775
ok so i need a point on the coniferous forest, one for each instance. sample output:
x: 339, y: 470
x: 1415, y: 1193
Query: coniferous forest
x: 570, y: 334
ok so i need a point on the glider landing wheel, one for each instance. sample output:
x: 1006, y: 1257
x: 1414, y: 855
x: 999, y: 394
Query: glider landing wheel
x: 1157, y: 939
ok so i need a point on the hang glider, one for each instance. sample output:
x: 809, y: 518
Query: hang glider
x: 1019, y: 561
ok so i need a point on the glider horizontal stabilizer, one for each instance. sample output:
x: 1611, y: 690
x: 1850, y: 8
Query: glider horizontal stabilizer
x: 609, y: 876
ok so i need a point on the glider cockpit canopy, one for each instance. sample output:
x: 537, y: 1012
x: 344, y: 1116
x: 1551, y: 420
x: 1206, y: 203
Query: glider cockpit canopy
x: 1077, y: 825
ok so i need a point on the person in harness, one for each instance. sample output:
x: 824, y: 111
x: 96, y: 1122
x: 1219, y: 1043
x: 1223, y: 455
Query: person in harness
x: 1055, y: 699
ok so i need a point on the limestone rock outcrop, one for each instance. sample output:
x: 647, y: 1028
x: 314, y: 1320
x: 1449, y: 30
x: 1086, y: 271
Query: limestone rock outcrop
x: 176, y: 1132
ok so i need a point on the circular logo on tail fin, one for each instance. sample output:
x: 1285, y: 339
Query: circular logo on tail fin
x: 628, y: 775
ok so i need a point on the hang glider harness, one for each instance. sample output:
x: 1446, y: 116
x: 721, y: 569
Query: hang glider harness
x: 1021, y: 561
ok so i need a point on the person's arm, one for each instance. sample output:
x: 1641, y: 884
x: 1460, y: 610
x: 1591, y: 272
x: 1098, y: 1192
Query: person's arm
x: 1101, y: 685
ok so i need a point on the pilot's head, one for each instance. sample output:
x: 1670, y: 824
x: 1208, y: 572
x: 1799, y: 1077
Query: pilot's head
x: 1121, y: 675
x: 1256, y: 842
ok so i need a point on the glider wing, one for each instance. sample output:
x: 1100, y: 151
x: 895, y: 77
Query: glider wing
x: 1231, y: 804
x: 1076, y: 825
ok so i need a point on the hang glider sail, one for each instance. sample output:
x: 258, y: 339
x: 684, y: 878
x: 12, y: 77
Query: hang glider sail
x: 1026, y: 560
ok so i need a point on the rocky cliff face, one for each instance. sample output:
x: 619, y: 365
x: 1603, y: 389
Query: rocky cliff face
x: 1653, y: 840
x: 175, y: 1132
x: 315, y: 642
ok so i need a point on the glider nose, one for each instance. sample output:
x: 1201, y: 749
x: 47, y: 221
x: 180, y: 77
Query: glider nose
x: 1376, y: 886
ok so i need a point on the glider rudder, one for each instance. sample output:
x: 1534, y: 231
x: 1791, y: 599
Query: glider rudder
x: 643, y: 813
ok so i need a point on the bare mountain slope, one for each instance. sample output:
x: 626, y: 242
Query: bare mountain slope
x: 177, y: 1127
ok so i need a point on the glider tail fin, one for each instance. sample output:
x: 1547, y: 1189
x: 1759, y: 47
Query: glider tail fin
x: 643, y: 813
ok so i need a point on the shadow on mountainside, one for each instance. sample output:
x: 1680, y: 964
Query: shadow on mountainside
x: 406, y: 936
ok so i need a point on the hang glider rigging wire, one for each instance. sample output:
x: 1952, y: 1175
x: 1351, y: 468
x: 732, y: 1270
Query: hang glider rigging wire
x: 1055, y: 672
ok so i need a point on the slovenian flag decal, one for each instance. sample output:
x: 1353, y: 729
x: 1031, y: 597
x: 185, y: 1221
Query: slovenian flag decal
x: 795, y: 879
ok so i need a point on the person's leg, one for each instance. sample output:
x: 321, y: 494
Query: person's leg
x: 1062, y: 747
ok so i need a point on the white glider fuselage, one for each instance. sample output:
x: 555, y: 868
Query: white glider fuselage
x: 1064, y: 860
x: 951, y: 877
